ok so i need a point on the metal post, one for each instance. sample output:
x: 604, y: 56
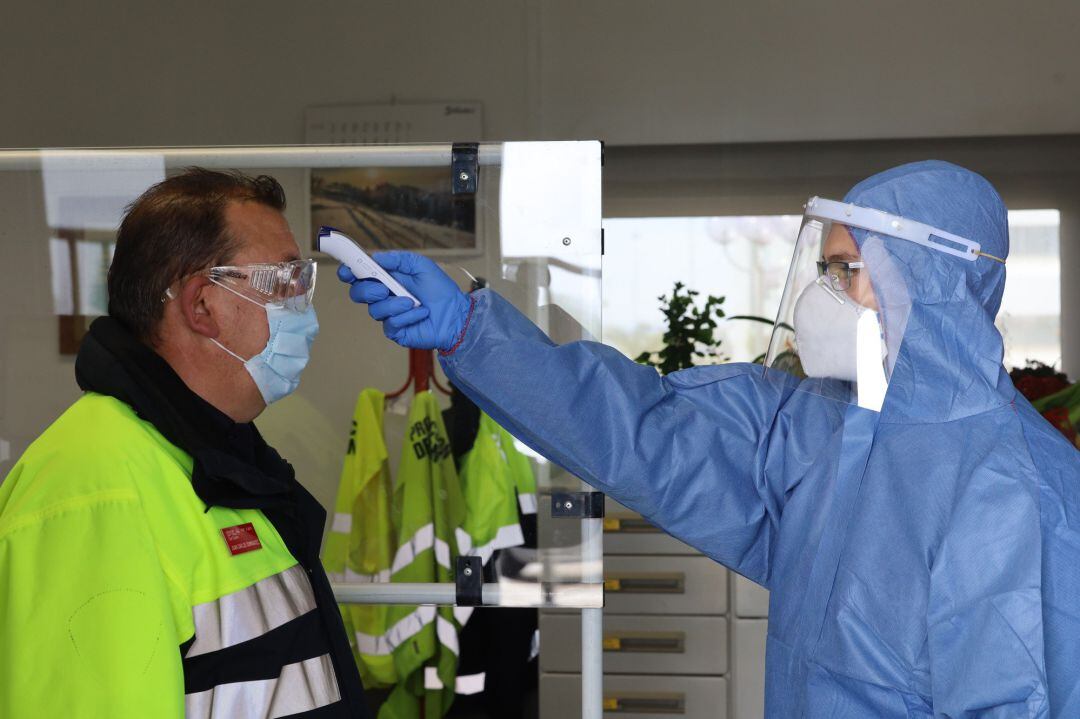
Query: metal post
x: 592, y: 622
x: 443, y: 594
x: 502, y: 594
x: 270, y: 157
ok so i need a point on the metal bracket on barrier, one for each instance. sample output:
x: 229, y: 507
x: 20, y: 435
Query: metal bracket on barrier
x: 470, y: 582
x: 577, y: 505
x: 464, y: 167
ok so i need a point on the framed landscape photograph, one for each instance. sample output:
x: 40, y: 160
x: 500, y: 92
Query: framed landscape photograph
x: 395, y: 208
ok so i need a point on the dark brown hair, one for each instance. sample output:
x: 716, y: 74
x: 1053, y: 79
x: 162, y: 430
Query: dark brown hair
x: 176, y: 228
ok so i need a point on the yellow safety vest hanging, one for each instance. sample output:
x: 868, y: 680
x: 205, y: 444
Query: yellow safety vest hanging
x: 489, y: 483
x: 361, y: 544
x: 519, y: 467
x: 428, y: 512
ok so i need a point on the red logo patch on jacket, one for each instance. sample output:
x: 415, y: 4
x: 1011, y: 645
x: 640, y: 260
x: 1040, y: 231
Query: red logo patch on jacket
x: 241, y: 538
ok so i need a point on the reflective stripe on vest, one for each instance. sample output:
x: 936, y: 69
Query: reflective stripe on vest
x: 357, y: 578
x: 527, y: 502
x: 422, y: 540
x: 505, y: 537
x: 466, y: 684
x: 406, y: 628
x: 252, y: 611
x: 342, y: 523
x: 300, y: 687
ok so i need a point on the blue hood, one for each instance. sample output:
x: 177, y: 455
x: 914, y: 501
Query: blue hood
x: 949, y: 364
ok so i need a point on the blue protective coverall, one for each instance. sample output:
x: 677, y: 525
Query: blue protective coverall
x: 922, y: 562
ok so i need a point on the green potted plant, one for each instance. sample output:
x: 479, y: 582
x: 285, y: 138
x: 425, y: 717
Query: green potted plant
x: 691, y: 337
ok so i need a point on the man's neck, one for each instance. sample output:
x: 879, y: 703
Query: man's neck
x: 223, y: 390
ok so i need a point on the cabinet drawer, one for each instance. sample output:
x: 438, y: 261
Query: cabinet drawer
x: 648, y: 644
x: 637, y: 697
x: 664, y: 585
x: 627, y: 532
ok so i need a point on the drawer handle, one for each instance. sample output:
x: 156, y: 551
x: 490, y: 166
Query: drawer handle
x: 646, y: 642
x: 634, y: 703
x: 629, y: 525
x: 654, y: 583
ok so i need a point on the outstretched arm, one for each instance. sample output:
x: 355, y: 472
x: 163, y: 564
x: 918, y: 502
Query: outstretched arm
x: 687, y: 451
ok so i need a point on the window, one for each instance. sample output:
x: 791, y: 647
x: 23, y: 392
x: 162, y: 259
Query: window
x: 1030, y: 316
x: 745, y: 259
x: 81, y: 266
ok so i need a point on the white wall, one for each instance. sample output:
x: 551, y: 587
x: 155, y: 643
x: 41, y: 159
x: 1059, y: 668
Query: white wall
x: 707, y: 71
x: 624, y: 71
x: 630, y: 72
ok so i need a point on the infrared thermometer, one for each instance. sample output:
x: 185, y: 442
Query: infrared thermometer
x: 344, y: 249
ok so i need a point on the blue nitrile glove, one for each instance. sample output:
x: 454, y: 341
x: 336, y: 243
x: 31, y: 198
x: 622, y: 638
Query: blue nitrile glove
x: 439, y: 320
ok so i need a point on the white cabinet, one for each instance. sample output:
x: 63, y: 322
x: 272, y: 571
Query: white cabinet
x: 627, y: 532
x: 748, y: 667
x: 680, y: 637
x: 637, y: 697
x: 751, y: 600
x: 653, y: 584
x: 639, y: 644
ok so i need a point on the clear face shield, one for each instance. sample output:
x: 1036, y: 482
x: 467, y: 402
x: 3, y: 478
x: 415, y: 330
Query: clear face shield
x: 845, y: 307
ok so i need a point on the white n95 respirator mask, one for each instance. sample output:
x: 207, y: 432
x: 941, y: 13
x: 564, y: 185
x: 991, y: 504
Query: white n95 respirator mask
x: 836, y: 337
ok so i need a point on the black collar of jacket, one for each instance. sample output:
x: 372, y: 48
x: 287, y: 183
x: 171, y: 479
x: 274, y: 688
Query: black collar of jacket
x: 233, y: 465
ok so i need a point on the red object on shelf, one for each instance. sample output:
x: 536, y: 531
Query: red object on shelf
x: 1059, y: 417
x: 1034, y: 387
x: 421, y: 374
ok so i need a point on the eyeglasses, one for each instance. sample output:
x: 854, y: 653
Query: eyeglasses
x: 285, y: 284
x: 839, y: 274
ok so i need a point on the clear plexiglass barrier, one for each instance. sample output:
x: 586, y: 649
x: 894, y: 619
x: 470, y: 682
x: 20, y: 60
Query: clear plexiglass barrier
x: 521, y: 218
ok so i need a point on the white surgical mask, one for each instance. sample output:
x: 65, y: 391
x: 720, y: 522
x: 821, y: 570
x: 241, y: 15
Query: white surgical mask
x: 276, y: 370
x: 837, y: 338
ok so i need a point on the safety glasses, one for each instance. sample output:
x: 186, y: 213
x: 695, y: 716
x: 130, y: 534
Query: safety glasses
x: 285, y: 284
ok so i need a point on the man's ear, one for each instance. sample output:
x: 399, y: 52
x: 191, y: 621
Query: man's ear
x: 195, y: 307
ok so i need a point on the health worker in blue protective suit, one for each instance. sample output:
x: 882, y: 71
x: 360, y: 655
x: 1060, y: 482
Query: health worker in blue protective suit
x: 917, y: 522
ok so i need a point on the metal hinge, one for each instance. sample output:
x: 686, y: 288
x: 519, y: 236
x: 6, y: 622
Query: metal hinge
x: 469, y: 579
x: 464, y: 167
x: 577, y: 505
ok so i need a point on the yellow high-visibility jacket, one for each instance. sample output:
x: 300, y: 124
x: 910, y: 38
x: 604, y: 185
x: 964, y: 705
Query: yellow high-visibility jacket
x: 122, y: 595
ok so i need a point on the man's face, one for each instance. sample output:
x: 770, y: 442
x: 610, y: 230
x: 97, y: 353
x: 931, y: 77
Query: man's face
x: 263, y: 236
x: 840, y: 247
